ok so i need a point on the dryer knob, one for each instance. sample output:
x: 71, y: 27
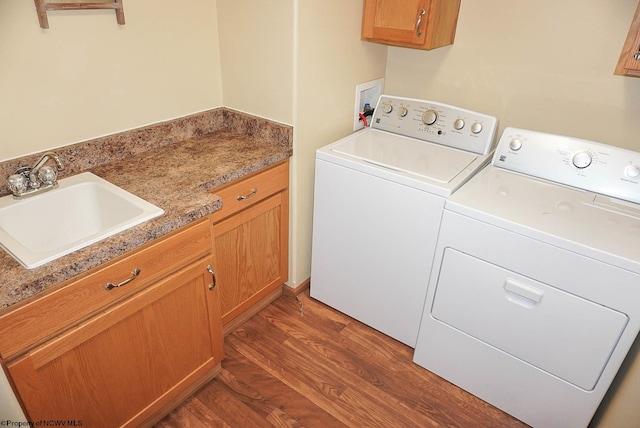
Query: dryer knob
x: 582, y: 160
x: 429, y: 117
x: 632, y: 171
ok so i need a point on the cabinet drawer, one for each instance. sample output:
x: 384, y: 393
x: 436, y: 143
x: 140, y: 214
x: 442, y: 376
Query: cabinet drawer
x: 46, y: 316
x: 245, y: 192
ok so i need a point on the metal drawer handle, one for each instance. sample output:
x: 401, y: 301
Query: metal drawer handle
x: 134, y: 275
x: 420, y: 15
x: 250, y: 195
x: 213, y: 277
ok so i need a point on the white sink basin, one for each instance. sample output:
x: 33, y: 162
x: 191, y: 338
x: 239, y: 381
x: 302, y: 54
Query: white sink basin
x: 83, y: 210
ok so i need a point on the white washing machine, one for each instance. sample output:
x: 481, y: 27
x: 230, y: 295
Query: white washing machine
x: 379, y: 196
x: 534, y: 297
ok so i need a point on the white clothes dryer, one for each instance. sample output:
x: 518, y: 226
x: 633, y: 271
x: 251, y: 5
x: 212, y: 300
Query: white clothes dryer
x: 534, y: 297
x: 379, y: 196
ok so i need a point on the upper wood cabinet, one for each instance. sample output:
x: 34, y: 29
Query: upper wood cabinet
x: 629, y: 62
x: 420, y: 24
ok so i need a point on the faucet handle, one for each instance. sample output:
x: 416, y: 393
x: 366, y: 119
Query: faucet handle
x: 47, y: 175
x: 18, y: 184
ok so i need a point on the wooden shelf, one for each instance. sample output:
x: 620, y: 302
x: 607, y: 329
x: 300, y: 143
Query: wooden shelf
x: 42, y: 6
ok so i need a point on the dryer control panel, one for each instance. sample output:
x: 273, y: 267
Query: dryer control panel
x: 588, y: 165
x: 436, y: 122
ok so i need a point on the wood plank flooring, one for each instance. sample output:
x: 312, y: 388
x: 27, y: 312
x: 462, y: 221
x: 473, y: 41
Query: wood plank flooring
x: 299, y: 363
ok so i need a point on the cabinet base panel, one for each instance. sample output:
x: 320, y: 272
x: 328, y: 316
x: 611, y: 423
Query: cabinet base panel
x: 251, y: 311
x: 181, y: 398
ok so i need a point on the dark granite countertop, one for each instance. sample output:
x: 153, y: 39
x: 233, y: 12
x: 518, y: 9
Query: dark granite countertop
x: 176, y: 177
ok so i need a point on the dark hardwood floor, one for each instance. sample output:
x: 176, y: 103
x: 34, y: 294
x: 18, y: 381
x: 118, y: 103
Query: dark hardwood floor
x: 303, y: 364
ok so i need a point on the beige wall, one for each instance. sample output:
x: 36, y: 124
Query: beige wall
x: 86, y: 76
x: 545, y: 65
x: 331, y: 61
x: 297, y: 62
x: 256, y: 51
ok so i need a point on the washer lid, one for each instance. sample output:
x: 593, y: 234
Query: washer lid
x: 426, y: 160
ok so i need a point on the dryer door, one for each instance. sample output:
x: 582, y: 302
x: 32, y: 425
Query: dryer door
x: 558, y: 332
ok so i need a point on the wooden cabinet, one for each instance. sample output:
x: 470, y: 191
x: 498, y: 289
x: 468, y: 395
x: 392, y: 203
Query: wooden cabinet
x: 420, y: 24
x: 134, y: 359
x: 629, y: 62
x: 250, y: 243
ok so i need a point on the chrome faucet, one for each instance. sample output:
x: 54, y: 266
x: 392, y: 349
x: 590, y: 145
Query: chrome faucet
x: 35, y: 181
x: 39, y: 178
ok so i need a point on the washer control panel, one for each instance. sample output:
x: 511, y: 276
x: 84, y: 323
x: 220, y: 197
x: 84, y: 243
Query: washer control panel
x: 436, y: 122
x: 588, y: 165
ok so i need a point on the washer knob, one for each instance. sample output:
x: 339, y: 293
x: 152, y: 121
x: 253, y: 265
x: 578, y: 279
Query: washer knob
x: 387, y: 108
x: 515, y: 144
x: 402, y: 111
x: 582, y: 159
x: 476, y: 128
x: 632, y: 171
x: 429, y: 117
x: 458, y: 124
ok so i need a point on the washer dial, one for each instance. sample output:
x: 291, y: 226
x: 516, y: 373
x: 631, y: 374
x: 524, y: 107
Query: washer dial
x: 582, y: 159
x: 632, y: 171
x: 476, y: 128
x: 387, y: 108
x: 402, y: 111
x: 429, y: 117
x: 458, y: 124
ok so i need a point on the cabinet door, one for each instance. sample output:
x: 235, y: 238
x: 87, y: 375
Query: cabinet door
x: 632, y: 57
x: 389, y: 20
x: 123, y: 365
x: 424, y: 24
x: 632, y: 64
x: 629, y: 62
x: 250, y: 254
